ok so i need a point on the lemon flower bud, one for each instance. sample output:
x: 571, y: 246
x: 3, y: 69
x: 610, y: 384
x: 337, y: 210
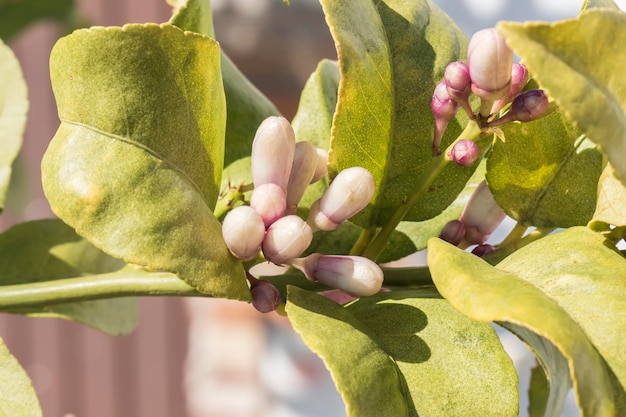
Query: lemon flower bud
x: 265, y: 296
x: 270, y: 201
x: 526, y: 107
x: 464, y: 153
x: 355, y: 275
x: 273, y: 150
x: 453, y: 232
x: 302, y: 171
x: 286, y: 238
x: 243, y: 231
x: 459, y: 85
x: 490, y: 62
x: 444, y: 108
x: 322, y: 165
x: 481, y: 215
x: 351, y: 190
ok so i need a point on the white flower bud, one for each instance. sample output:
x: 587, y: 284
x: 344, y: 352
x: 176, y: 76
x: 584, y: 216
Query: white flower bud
x: 490, y: 62
x: 243, y: 231
x: 302, y: 171
x: 286, y: 239
x: 355, y: 275
x: 269, y: 201
x: 272, y: 152
x: 351, y: 190
x: 322, y: 165
x: 481, y: 215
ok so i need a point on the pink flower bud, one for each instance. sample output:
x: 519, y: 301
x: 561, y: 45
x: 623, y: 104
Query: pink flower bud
x: 459, y: 85
x: 265, y: 296
x: 490, y: 63
x: 444, y: 109
x: 526, y: 107
x: 351, y: 190
x: 302, y: 171
x: 286, y: 238
x: 464, y: 153
x: 322, y: 165
x: 243, y: 231
x: 272, y: 152
x: 270, y: 201
x: 481, y: 215
x: 519, y: 79
x: 453, y: 232
x: 483, y: 250
x: 355, y: 275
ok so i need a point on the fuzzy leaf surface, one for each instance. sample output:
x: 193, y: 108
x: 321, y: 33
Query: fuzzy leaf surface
x: 17, y: 396
x: 136, y: 164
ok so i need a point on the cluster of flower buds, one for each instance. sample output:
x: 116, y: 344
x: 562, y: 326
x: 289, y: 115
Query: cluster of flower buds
x: 281, y: 171
x: 355, y: 275
x: 480, y: 217
x: 491, y: 75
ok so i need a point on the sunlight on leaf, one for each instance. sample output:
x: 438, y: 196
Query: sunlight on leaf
x: 611, y: 205
x: 17, y: 396
x: 13, y: 110
x: 577, y: 62
x: 433, y: 361
x: 136, y: 164
x: 486, y: 293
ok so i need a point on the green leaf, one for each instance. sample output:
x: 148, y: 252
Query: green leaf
x: 17, y: 396
x: 47, y: 250
x: 589, y: 4
x: 486, y: 293
x: 577, y: 63
x: 545, y: 174
x: 135, y: 166
x: 538, y: 392
x: 611, y: 204
x: 391, y: 56
x: 585, y: 277
x: 13, y: 109
x: 246, y: 106
x: 426, y: 359
x: 15, y: 15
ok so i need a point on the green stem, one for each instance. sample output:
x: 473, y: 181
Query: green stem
x: 437, y: 164
x: 129, y: 281
x: 515, y: 235
x: 363, y: 241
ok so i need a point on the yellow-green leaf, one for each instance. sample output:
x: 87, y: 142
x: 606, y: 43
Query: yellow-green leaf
x: 17, y: 396
x: 611, y: 202
x: 136, y: 164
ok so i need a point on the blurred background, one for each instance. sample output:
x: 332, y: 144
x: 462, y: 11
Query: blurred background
x: 197, y: 357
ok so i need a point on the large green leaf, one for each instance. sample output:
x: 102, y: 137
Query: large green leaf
x: 611, y: 204
x: 486, y: 293
x: 15, y: 15
x: 47, y: 250
x: 545, y: 174
x: 246, y: 106
x: 136, y: 164
x: 586, y: 278
x: 425, y: 358
x: 13, y: 109
x: 17, y: 396
x: 578, y: 63
x: 391, y: 55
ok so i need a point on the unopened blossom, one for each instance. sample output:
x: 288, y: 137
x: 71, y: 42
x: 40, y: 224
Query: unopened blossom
x: 519, y: 79
x: 243, y: 231
x: 444, y: 108
x: 459, y: 85
x: 526, y: 107
x: 286, y: 238
x: 351, y: 190
x: 355, y: 275
x: 464, y: 153
x: 490, y: 62
x: 481, y: 216
x: 483, y: 250
x: 304, y: 165
x: 265, y: 296
x: 270, y: 201
x: 453, y: 232
x: 273, y: 150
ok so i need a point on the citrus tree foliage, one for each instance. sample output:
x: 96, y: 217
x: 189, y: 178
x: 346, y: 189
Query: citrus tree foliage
x: 153, y: 150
